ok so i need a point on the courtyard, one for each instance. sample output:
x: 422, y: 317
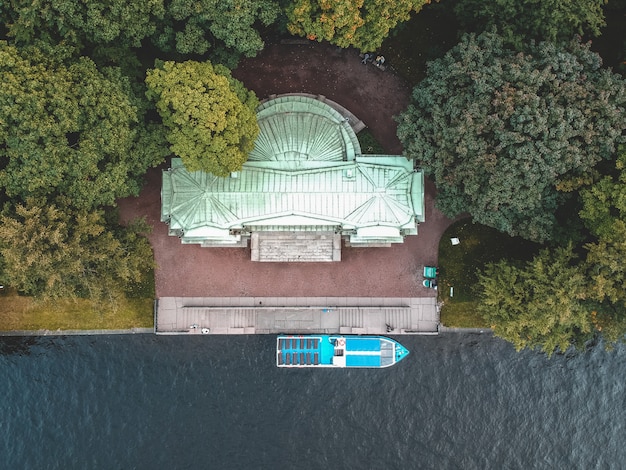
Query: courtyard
x: 373, y: 96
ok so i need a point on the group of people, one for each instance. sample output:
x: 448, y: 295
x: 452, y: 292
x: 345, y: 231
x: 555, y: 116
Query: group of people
x: 378, y: 61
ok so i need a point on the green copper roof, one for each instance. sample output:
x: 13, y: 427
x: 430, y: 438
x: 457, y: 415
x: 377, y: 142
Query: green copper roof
x: 303, y: 173
x: 303, y: 128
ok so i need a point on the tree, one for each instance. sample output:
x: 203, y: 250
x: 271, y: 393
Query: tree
x: 604, y: 214
x: 225, y: 28
x: 519, y: 22
x: 209, y: 115
x: 77, y: 22
x: 231, y: 22
x: 505, y: 134
x: 541, y: 305
x: 363, y: 24
x: 54, y: 253
x: 70, y: 132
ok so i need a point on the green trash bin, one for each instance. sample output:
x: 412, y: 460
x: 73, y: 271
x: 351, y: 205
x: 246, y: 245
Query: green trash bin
x: 430, y: 272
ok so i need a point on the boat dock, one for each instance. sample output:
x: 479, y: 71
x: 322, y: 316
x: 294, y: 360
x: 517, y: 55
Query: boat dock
x: 296, y: 315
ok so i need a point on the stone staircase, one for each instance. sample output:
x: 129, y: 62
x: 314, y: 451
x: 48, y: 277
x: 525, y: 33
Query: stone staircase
x: 286, y: 247
x: 399, y: 319
x: 351, y: 317
x: 243, y: 318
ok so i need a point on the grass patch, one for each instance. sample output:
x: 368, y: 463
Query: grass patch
x: 459, y: 266
x: 142, y: 290
x: 136, y: 310
x: 462, y: 315
x: 25, y: 313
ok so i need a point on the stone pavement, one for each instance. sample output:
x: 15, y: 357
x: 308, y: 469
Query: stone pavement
x: 289, y: 246
x: 297, y: 315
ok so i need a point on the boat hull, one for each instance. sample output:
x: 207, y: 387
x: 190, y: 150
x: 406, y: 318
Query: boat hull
x: 338, y: 351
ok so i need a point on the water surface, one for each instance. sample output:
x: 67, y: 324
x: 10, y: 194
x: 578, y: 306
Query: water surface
x: 458, y: 401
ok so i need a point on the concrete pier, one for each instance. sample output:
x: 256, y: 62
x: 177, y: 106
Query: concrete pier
x: 296, y: 315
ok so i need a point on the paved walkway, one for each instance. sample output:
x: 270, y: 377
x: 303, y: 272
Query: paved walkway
x: 298, y: 315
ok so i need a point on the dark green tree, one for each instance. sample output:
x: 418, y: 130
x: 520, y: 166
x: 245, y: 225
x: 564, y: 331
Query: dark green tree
x: 225, y: 29
x: 231, y: 22
x: 504, y: 135
x: 540, y: 305
x: 70, y: 133
x: 210, y: 116
x: 520, y: 21
x: 78, y: 22
x: 54, y: 253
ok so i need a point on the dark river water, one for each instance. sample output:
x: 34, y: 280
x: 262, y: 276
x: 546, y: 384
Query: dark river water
x: 459, y: 401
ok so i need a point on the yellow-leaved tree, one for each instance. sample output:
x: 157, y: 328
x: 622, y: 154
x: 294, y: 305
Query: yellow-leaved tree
x: 209, y: 115
x: 363, y: 24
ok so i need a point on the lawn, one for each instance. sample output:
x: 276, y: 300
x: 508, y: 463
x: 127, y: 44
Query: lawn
x: 19, y: 312
x: 459, y: 266
x: 25, y: 313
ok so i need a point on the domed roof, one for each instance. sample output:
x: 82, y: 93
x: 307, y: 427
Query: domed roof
x: 296, y: 127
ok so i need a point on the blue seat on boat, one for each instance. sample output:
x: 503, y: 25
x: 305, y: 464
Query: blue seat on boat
x: 288, y: 358
x: 280, y: 359
x: 301, y: 358
x: 316, y: 343
x: 363, y: 344
x: 308, y: 343
x: 316, y: 358
x: 363, y: 361
x: 308, y: 359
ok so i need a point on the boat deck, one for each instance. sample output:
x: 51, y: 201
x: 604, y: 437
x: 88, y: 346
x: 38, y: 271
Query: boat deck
x: 297, y: 315
x: 337, y: 351
x: 300, y: 351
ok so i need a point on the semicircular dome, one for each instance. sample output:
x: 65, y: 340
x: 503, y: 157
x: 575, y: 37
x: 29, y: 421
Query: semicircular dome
x: 302, y: 128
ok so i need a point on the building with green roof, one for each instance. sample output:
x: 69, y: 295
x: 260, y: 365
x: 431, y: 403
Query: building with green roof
x: 305, y: 186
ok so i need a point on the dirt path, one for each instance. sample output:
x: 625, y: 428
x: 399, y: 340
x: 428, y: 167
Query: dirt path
x: 374, y: 97
x: 370, y: 94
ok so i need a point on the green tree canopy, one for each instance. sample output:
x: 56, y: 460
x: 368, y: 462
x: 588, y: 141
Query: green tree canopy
x: 55, y: 253
x: 70, y: 132
x: 541, y: 305
x: 77, y: 21
x: 363, y: 24
x: 210, y: 116
x: 519, y: 21
x: 191, y: 27
x: 604, y: 213
x: 502, y: 132
x: 224, y: 28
